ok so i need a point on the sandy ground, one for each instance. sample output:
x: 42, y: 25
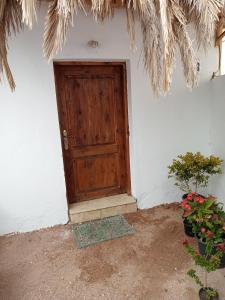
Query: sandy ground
x: 151, y: 264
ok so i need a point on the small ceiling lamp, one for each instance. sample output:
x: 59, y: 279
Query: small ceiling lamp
x: 93, y: 44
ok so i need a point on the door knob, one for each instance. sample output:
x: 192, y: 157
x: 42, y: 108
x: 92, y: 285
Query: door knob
x: 65, y: 140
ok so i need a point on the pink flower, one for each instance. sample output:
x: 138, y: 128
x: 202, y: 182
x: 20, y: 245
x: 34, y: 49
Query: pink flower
x: 189, y: 196
x: 203, y: 230
x: 200, y: 200
x: 187, y: 207
x: 183, y: 203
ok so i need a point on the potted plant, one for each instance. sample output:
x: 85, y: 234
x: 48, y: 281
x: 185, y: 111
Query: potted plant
x: 190, y: 205
x: 209, y: 263
x: 208, y: 225
x: 194, y: 206
x: 191, y: 172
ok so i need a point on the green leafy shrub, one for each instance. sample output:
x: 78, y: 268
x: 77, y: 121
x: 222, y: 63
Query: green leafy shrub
x: 192, y: 171
x: 208, y: 262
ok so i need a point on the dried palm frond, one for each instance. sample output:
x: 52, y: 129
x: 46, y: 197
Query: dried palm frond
x: 12, y: 18
x: 169, y: 41
x: 59, y: 17
x: 152, y: 47
x: 29, y: 12
x: 204, y: 14
x: 163, y: 15
x: 2, y: 9
x: 10, y: 22
x: 169, y: 10
x: 147, y: 14
x: 131, y: 26
x: 188, y: 56
x: 102, y: 9
x: 139, y: 8
x: 163, y: 24
x: 51, y: 42
x: 4, y: 66
x: 142, y: 7
x: 176, y: 15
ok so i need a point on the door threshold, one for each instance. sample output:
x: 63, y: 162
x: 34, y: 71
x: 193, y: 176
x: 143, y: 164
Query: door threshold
x: 101, y: 208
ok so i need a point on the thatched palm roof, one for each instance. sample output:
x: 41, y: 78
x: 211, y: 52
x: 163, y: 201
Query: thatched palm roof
x: 164, y: 25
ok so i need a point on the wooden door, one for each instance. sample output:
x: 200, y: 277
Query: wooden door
x: 92, y: 108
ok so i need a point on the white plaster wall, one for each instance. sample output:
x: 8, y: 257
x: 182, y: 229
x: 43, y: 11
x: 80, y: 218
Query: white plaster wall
x: 217, y: 132
x: 32, y: 188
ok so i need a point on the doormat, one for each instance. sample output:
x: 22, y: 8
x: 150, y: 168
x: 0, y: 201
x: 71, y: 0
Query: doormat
x: 94, y: 232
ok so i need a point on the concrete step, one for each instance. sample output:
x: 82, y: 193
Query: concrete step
x: 101, y: 208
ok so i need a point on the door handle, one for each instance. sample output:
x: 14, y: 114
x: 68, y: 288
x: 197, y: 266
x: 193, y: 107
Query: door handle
x: 65, y: 140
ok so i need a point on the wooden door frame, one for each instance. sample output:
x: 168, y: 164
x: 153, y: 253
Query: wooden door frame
x: 125, y: 106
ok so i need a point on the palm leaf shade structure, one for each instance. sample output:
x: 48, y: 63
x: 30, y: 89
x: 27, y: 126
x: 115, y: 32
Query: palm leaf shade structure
x: 163, y: 23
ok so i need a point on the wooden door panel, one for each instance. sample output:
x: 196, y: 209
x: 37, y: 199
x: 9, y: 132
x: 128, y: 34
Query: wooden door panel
x: 93, y: 114
x: 92, y: 120
x: 95, y: 150
x: 104, y: 166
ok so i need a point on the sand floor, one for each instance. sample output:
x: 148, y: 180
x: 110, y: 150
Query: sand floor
x: 151, y: 264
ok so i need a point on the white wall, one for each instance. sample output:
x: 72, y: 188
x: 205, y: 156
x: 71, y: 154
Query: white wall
x: 32, y: 191
x: 217, y: 89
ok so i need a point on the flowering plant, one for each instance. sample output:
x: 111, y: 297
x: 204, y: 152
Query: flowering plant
x: 210, y: 228
x: 192, y: 203
x: 207, y: 218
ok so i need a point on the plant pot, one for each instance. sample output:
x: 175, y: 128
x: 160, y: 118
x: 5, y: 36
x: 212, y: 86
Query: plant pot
x: 203, y: 295
x: 202, y: 249
x: 188, y: 228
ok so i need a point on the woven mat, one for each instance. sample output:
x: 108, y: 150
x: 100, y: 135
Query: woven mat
x: 94, y: 232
